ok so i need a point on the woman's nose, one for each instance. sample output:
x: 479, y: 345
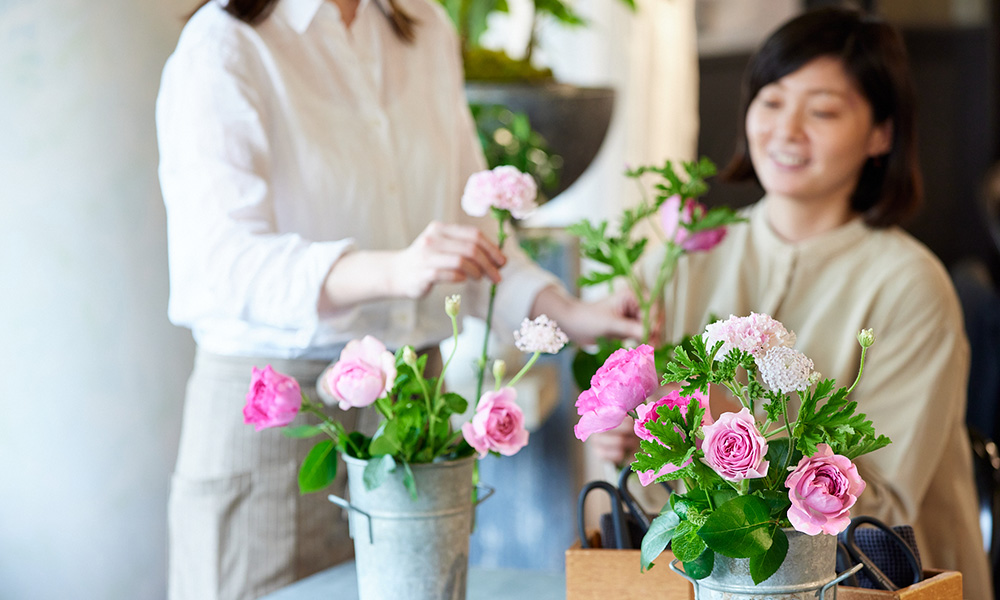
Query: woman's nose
x: 789, y: 124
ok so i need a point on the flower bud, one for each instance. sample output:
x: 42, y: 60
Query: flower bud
x: 452, y: 304
x: 499, y: 370
x: 866, y: 337
x: 409, y: 356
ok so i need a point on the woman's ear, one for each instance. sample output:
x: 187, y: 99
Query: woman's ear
x: 880, y: 140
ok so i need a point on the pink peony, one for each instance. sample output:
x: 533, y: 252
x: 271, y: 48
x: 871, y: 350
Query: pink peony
x: 498, y: 424
x: 503, y: 187
x: 622, y: 383
x: 273, y: 400
x: 755, y: 334
x: 672, y: 215
x: 365, y: 372
x: 823, y: 488
x: 648, y: 412
x: 734, y: 447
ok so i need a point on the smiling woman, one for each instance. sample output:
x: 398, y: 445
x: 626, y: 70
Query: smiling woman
x: 829, y: 134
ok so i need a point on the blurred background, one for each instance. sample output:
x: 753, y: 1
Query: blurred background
x: 91, y: 399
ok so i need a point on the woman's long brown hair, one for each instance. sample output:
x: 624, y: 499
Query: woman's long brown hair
x: 255, y: 11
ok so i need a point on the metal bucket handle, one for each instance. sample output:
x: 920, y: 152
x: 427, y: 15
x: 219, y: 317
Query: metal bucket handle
x: 344, y: 504
x: 822, y: 592
x: 482, y: 493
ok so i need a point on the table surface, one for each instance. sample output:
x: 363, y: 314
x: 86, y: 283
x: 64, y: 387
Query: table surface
x: 484, y: 584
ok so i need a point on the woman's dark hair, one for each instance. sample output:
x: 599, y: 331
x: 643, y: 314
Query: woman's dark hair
x: 255, y: 11
x: 872, y: 53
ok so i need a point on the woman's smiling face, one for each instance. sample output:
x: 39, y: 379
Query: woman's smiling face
x: 810, y: 133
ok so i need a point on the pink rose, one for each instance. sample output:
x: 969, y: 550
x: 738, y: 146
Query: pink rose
x: 648, y: 412
x: 823, y: 488
x: 671, y: 217
x: 273, y: 400
x: 505, y: 188
x: 624, y: 382
x: 734, y: 447
x: 498, y: 424
x: 365, y: 372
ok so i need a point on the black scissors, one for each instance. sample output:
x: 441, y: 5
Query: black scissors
x: 850, y: 552
x: 628, y: 521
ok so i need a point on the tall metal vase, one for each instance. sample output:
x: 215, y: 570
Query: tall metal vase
x: 809, y: 572
x: 406, y: 548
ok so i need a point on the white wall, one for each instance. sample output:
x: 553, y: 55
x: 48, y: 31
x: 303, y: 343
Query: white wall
x: 93, y: 372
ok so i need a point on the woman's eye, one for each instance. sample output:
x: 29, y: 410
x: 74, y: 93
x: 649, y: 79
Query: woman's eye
x: 824, y: 114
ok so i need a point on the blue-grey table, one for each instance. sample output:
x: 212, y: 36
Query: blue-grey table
x: 340, y: 583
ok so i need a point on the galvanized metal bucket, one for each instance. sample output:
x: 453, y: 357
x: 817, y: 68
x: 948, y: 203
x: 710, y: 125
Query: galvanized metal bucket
x: 413, y: 549
x: 808, y: 573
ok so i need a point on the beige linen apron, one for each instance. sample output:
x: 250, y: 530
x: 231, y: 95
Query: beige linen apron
x: 238, y: 527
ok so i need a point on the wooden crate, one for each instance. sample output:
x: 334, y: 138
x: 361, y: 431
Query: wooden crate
x: 599, y: 574
x: 937, y: 585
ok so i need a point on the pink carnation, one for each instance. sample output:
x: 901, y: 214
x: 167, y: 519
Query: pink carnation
x: 673, y: 215
x: 646, y: 413
x: 823, y: 488
x: 755, y: 334
x: 498, y: 424
x: 734, y: 448
x: 622, y: 383
x: 504, y: 188
x: 273, y: 400
x: 365, y: 372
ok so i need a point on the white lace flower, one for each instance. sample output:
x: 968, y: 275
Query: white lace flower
x: 786, y: 370
x: 540, y: 335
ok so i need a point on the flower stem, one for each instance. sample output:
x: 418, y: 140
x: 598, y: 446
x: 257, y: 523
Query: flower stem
x: 330, y: 422
x: 501, y: 237
x: 861, y: 369
x: 454, y: 347
x: 523, y: 370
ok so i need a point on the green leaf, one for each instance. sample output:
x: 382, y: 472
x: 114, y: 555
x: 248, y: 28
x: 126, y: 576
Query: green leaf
x: 377, y: 470
x: 738, y: 528
x: 454, y: 403
x: 764, y: 565
x: 686, y: 544
x: 319, y: 467
x: 409, y: 481
x: 659, y: 534
x: 386, y: 440
x: 302, y: 431
x: 701, y: 567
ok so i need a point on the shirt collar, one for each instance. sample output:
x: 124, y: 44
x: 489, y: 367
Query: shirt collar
x: 298, y: 13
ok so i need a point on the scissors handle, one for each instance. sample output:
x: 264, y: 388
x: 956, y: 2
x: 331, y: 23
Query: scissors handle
x: 870, y: 568
x: 617, y: 514
x: 630, y: 501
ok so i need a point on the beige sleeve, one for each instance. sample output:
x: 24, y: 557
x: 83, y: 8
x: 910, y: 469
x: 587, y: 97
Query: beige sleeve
x: 914, y: 392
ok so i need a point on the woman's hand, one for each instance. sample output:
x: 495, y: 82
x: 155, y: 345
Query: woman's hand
x: 442, y: 253
x: 617, y: 446
x: 616, y: 316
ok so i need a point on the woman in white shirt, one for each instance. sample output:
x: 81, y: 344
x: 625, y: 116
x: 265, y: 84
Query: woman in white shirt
x: 313, y: 153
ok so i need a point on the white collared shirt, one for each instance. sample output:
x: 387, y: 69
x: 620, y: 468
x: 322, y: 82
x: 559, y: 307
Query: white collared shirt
x: 286, y: 144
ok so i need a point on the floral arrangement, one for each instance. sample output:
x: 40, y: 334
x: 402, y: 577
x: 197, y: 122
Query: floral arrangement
x: 751, y: 473
x: 417, y: 425
x: 685, y: 226
x: 418, y: 413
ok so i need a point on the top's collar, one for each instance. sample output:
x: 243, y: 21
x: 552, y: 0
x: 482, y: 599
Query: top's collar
x: 298, y: 13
